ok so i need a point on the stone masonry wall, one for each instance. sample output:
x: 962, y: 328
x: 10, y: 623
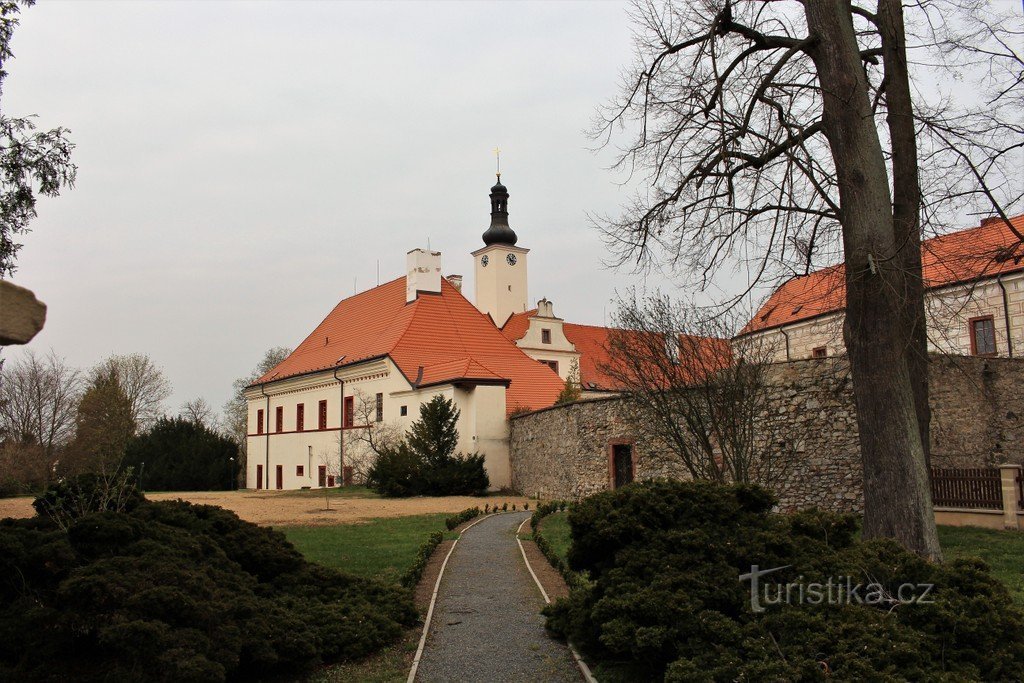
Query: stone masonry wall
x: 977, y: 420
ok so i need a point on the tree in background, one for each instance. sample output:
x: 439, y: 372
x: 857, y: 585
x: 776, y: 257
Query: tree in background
x: 177, y: 454
x: 572, y: 390
x: 425, y: 462
x: 38, y: 401
x: 236, y: 410
x: 103, y: 426
x: 200, y: 412
x: 142, y: 382
x: 715, y: 413
x: 31, y: 162
x: 775, y: 135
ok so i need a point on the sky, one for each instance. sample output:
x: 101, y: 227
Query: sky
x: 243, y: 166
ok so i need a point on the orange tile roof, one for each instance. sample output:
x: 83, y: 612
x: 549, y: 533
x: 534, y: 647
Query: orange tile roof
x: 437, y: 339
x: 984, y: 251
x: 592, y: 342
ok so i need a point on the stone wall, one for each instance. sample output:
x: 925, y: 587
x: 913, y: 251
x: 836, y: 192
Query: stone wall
x: 978, y: 420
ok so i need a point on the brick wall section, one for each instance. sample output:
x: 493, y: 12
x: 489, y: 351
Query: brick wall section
x: 978, y: 420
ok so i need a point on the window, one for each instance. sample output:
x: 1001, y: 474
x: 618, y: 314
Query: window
x: 820, y: 352
x: 300, y: 470
x: 280, y: 477
x: 553, y: 364
x: 259, y: 421
x: 279, y: 417
x: 322, y: 420
x: 983, y: 336
x: 545, y: 336
x: 403, y: 411
x: 672, y: 348
x: 349, y: 410
x: 321, y: 476
x: 380, y: 407
x: 622, y: 468
x: 300, y: 417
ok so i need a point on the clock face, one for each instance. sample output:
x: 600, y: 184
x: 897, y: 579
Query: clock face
x: 484, y: 261
x: 511, y: 258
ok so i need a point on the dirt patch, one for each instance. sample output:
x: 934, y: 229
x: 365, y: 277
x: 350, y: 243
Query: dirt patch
x: 549, y: 577
x: 286, y: 508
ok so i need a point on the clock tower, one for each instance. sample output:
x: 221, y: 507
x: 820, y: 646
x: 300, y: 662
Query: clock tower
x: 500, y: 265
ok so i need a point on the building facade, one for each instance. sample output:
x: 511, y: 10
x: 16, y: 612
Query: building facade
x: 974, y: 300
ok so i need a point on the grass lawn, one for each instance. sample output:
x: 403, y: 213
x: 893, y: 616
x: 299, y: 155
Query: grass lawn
x: 555, y: 529
x: 381, y: 548
x: 1002, y: 550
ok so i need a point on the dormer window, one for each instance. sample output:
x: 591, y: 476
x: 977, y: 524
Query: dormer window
x: 545, y: 336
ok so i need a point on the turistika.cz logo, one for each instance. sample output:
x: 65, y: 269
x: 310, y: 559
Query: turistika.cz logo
x: 836, y: 590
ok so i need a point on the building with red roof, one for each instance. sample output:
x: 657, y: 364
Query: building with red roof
x: 974, y: 299
x: 378, y: 355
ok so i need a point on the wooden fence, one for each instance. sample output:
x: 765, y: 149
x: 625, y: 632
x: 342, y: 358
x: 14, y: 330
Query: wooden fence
x: 967, y: 487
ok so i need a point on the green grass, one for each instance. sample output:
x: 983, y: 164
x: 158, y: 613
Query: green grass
x: 1002, y: 550
x: 555, y: 528
x: 381, y: 548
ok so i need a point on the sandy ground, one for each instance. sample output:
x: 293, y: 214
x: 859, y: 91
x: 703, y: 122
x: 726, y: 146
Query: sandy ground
x: 283, y: 508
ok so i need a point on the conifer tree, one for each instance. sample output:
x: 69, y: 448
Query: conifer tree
x: 435, y: 435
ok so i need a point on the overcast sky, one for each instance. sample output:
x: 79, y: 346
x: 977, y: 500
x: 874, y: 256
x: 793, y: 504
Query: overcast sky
x: 242, y: 164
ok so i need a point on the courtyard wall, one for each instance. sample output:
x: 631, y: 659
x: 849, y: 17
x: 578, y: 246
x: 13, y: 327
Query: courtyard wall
x: 977, y: 420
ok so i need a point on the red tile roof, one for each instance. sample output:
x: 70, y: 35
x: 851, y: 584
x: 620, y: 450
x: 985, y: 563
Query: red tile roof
x: 592, y: 342
x: 985, y: 251
x: 444, y: 334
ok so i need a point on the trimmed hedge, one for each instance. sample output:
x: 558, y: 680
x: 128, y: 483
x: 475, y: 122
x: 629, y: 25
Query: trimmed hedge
x: 572, y: 579
x: 174, y: 591
x: 665, y: 601
x: 454, y: 521
x: 415, y: 573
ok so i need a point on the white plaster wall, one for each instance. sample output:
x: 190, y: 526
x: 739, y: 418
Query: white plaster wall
x: 501, y: 289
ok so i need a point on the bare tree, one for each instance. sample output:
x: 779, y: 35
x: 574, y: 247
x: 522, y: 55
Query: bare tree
x: 766, y: 132
x: 38, y: 400
x: 198, y: 411
x: 142, y: 382
x: 715, y: 413
x: 236, y: 410
x: 362, y: 446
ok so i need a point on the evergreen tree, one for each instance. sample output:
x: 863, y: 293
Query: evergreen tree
x: 182, y: 455
x: 434, y: 436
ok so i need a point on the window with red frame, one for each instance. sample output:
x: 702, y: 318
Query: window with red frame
x: 322, y: 420
x: 380, y: 407
x: 545, y: 336
x: 983, y: 336
x: 279, y: 418
x: 259, y: 421
x: 300, y: 470
x: 553, y: 364
x: 300, y: 417
x: 349, y: 410
x: 820, y: 352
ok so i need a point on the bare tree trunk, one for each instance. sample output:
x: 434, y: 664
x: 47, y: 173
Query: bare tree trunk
x: 897, y: 497
x: 906, y: 207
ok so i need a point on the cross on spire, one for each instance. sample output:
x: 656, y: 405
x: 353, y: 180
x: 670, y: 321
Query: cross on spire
x: 497, y: 157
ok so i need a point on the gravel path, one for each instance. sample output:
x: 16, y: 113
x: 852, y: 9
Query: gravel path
x: 487, y: 624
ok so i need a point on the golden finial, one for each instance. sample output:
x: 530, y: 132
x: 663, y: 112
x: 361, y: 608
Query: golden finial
x: 497, y: 156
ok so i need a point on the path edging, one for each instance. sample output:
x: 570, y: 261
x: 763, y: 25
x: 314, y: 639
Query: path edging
x: 584, y: 669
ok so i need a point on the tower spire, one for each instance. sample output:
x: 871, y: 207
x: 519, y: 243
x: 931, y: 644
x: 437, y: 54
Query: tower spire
x: 499, y: 231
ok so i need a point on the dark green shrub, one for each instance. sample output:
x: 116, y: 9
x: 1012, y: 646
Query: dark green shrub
x: 173, y: 591
x: 180, y: 455
x: 455, y: 520
x: 663, y: 559
x: 415, y: 573
x: 425, y: 464
x: 74, y: 497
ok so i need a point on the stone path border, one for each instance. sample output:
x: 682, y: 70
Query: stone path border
x: 584, y: 669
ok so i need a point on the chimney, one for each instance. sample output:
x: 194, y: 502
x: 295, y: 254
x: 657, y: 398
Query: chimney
x: 455, y: 280
x: 422, y: 273
x: 545, y: 309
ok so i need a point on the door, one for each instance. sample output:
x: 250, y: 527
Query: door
x: 280, y: 477
x: 622, y: 464
x: 259, y: 477
x: 322, y: 472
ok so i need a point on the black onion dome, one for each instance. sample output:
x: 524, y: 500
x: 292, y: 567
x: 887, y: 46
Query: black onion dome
x: 499, y: 232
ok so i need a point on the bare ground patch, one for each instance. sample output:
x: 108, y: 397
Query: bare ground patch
x: 285, y: 508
